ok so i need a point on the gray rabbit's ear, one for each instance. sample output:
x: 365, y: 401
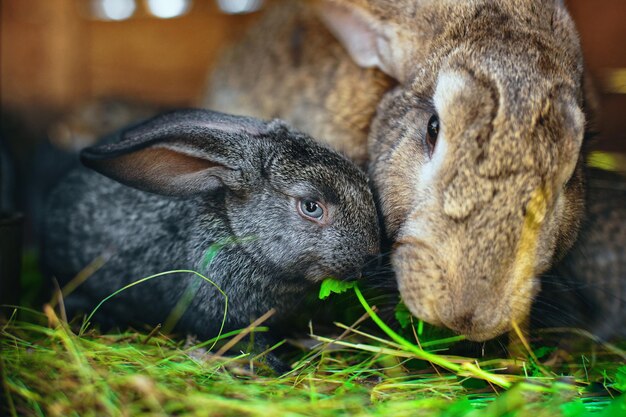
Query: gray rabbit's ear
x: 370, y: 40
x: 183, y: 153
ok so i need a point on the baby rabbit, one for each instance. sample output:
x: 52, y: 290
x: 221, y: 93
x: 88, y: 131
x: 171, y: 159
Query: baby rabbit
x: 286, y: 211
x: 471, y: 115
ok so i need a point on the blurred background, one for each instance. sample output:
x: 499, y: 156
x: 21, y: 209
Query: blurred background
x: 72, y: 70
x: 57, y: 55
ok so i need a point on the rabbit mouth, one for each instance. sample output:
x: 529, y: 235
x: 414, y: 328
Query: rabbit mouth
x: 478, y: 321
x: 317, y: 273
x: 479, y: 307
x: 476, y: 324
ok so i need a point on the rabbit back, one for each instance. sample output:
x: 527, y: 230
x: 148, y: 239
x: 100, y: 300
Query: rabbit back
x: 92, y: 219
x: 290, y: 66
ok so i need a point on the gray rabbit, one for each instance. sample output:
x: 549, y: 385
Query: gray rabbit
x: 285, y: 211
x: 588, y: 288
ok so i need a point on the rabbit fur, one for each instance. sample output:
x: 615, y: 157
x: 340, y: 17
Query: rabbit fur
x: 477, y: 215
x: 177, y: 185
x: 588, y: 288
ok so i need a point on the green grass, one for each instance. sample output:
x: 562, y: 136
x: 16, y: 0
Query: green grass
x: 49, y: 368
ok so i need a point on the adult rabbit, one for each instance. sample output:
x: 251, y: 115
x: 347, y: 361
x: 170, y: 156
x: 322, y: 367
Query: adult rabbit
x: 471, y: 114
x: 286, y: 211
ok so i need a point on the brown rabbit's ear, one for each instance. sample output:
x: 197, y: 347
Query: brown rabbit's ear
x: 370, y: 41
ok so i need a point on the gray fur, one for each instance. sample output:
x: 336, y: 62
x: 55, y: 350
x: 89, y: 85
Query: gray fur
x: 277, y: 256
x: 588, y: 288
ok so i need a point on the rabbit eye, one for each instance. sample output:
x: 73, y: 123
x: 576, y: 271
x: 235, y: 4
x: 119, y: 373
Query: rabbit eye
x: 432, y: 131
x: 311, y: 209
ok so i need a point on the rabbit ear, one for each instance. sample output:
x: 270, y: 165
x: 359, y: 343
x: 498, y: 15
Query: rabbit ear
x: 181, y: 153
x: 370, y: 41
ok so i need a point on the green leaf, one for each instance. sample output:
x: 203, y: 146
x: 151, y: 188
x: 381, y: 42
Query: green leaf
x: 544, y: 351
x: 331, y: 285
x: 620, y: 379
x: 403, y: 315
x: 574, y: 408
x: 616, y: 408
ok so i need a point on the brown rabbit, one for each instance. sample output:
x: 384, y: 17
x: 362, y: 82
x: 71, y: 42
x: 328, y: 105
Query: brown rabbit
x: 471, y: 116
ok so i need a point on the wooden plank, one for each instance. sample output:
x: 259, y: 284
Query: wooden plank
x: 42, y: 53
x: 603, y: 36
x: 162, y: 61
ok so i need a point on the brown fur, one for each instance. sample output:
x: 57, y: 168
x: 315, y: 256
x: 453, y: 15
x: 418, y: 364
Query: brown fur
x: 292, y: 53
x: 502, y: 196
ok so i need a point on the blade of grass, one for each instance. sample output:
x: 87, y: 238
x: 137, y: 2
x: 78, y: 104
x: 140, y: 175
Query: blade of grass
x: 243, y: 334
x: 526, y: 345
x: 82, y: 276
x: 181, y: 271
x: 427, y: 356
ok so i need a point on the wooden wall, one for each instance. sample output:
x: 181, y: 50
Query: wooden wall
x: 52, y: 56
x: 602, y: 26
x: 41, y: 53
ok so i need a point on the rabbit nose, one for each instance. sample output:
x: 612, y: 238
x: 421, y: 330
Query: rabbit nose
x: 463, y: 323
x: 351, y: 274
x: 471, y: 323
x: 371, y: 265
x: 355, y: 272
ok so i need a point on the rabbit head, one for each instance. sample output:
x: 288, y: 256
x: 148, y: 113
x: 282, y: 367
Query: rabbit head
x: 475, y: 155
x: 294, y: 206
